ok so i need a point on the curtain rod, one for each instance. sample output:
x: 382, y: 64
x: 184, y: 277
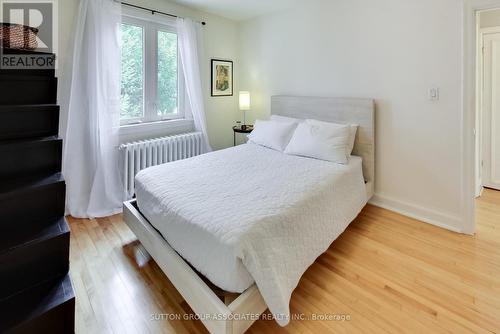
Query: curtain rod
x: 153, y: 11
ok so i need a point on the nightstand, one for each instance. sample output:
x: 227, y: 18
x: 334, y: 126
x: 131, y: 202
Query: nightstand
x: 238, y: 129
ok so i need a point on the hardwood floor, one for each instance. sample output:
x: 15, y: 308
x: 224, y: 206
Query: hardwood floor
x: 388, y: 273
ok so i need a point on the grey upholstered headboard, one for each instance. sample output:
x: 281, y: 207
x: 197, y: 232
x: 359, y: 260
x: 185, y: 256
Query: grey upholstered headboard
x: 338, y: 110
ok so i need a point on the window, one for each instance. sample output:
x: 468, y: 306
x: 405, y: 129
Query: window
x: 151, y: 85
x: 132, y: 86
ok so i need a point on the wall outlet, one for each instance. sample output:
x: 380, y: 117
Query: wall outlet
x: 434, y: 94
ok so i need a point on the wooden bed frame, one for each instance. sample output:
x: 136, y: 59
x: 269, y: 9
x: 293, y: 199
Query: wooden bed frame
x: 237, y: 316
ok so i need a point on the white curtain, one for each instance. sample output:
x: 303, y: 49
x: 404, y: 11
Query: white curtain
x: 90, y: 166
x: 190, y: 50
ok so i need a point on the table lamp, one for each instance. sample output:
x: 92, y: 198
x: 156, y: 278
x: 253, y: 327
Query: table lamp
x: 244, y: 106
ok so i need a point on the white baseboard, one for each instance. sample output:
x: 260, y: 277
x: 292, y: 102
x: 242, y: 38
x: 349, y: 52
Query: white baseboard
x: 436, y: 218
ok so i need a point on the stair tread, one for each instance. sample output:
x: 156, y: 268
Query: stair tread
x: 34, y: 302
x: 13, y: 241
x: 22, y: 141
x: 44, y: 258
x: 32, y: 181
x: 26, y: 77
x: 30, y: 52
x: 44, y: 106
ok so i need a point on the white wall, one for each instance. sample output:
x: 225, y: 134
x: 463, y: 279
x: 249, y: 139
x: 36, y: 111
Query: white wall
x: 389, y: 50
x: 220, y: 42
x: 489, y: 18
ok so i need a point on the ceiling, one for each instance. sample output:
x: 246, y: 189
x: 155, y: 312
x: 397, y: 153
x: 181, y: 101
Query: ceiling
x: 239, y: 10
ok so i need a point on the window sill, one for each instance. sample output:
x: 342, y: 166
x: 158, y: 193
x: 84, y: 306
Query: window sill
x: 161, y: 128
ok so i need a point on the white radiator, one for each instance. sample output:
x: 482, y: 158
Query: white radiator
x: 146, y: 153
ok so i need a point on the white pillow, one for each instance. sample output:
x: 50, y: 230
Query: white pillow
x: 286, y: 119
x: 272, y: 134
x: 352, y: 137
x: 352, y: 132
x: 321, y: 140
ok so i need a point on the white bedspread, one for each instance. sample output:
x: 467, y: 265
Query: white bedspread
x: 249, y: 214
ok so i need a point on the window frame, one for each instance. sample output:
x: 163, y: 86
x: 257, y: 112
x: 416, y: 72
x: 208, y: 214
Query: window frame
x: 151, y: 25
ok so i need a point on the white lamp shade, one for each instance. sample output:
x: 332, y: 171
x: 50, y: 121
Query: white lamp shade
x: 244, y: 101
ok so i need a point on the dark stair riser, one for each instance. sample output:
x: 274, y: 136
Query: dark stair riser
x: 32, y: 208
x: 25, y: 72
x: 22, y: 73
x: 27, y: 90
x: 27, y: 157
x: 29, y: 121
x: 23, y: 237
x: 59, y: 320
x: 39, y: 260
x: 46, y: 308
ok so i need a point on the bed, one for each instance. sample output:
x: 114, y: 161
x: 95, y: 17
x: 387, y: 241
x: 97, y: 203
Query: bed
x: 251, y: 219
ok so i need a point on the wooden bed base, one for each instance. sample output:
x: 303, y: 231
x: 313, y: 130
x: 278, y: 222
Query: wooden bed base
x: 217, y: 317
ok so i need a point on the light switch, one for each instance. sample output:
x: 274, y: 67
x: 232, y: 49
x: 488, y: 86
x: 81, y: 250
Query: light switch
x: 434, y: 94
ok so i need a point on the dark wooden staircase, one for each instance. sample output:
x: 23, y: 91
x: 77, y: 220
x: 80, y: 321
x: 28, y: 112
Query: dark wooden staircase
x: 36, y: 295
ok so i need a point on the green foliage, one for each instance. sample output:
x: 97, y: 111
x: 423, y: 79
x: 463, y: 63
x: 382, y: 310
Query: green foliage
x: 132, y: 85
x: 167, y: 73
x: 132, y: 80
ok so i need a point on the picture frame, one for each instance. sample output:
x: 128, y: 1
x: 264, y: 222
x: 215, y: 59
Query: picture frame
x: 222, y: 77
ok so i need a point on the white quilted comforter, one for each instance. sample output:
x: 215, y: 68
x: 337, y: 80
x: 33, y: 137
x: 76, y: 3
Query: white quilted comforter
x: 249, y: 214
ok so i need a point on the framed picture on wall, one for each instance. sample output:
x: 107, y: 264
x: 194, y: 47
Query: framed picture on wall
x: 222, y: 77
